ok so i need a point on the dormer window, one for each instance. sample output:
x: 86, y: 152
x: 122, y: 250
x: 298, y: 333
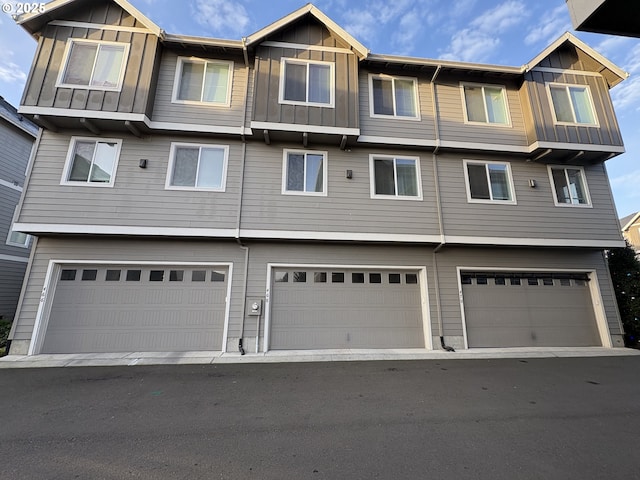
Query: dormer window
x: 572, y: 104
x: 94, y: 65
x: 306, y: 82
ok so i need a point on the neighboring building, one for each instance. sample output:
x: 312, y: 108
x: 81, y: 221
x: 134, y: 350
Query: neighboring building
x: 294, y: 191
x: 17, y: 135
x: 631, y: 230
x: 614, y: 17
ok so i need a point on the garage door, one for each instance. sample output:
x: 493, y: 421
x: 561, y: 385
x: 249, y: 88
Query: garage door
x: 528, y: 310
x: 346, y: 308
x: 137, y: 308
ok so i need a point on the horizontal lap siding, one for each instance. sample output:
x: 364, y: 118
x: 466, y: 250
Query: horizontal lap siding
x: 15, y: 152
x: 423, y: 129
x: 8, y: 200
x: 138, y: 197
x: 347, y: 207
x: 11, y: 276
x: 210, y: 115
x: 535, y: 215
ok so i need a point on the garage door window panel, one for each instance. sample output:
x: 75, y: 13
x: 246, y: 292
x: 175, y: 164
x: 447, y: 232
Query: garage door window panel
x: 320, y: 277
x: 395, y: 177
x: 67, y: 275
x: 89, y: 275
x: 133, y: 275
x: 112, y: 276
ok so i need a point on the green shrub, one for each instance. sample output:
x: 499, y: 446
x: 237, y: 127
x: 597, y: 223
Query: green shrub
x: 5, y: 326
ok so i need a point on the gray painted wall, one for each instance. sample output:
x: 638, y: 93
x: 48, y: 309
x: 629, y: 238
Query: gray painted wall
x: 11, y: 276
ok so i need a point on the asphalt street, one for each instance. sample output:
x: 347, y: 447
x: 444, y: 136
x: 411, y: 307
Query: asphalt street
x: 552, y: 418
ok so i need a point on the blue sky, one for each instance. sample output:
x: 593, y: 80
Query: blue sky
x: 505, y: 32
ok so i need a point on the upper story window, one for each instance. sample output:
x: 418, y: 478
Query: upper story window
x: 91, y: 161
x: 17, y: 239
x: 92, y: 64
x: 306, y: 82
x: 201, y: 81
x: 304, y: 173
x: 569, y: 186
x: 197, y: 167
x: 489, y: 182
x: 395, y: 177
x: 393, y: 96
x: 572, y: 104
x: 485, y: 104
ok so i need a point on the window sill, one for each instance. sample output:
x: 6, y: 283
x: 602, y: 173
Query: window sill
x: 488, y: 124
x: 396, y: 197
x: 201, y: 104
x: 574, y: 205
x: 88, y: 184
x: 304, y: 194
x: 306, y: 104
x: 90, y: 87
x: 195, y: 189
x: 395, y: 117
x: 492, y: 202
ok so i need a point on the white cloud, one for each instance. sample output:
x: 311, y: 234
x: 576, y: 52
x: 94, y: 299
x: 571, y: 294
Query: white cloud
x: 405, y: 37
x: 470, y: 46
x: 611, y: 46
x: 222, y: 17
x: 10, y: 72
x: 367, y: 21
x: 627, y: 94
x: 502, y: 17
x: 552, y: 25
x: 631, y: 179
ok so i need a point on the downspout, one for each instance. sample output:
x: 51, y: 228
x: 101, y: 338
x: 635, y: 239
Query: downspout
x: 240, y: 197
x: 436, y: 180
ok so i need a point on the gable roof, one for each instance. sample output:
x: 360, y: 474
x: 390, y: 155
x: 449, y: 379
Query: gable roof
x: 9, y: 113
x: 576, y: 42
x: 33, y: 22
x: 629, y: 220
x: 308, y: 9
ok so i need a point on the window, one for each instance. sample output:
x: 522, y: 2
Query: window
x: 485, y: 104
x: 197, y: 167
x: 394, y: 278
x: 411, y: 278
x: 68, y: 275
x: 299, y: 277
x: 307, y: 83
x: 198, y: 275
x: 156, y: 276
x: 393, y: 96
x: 357, y: 277
x: 112, y: 276
x: 489, y: 182
x: 572, y: 104
x: 375, y: 278
x: 337, y: 277
x: 91, y: 161
x: 304, y: 173
x: 176, y: 275
x: 569, y: 186
x: 93, y: 65
x: 89, y: 275
x: 217, y: 276
x: 18, y: 239
x: 133, y: 275
x: 320, y: 277
x: 202, y: 81
x: 281, y: 276
x: 397, y: 177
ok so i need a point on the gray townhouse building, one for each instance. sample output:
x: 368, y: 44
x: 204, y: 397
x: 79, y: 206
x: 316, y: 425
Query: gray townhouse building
x: 292, y: 190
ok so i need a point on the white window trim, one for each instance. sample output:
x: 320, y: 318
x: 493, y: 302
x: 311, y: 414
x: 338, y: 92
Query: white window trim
x: 172, y: 157
x: 332, y: 86
x: 372, y: 177
x: 393, y: 78
x: 553, y: 186
x: 512, y: 189
x: 67, y: 51
x: 505, y: 100
x: 176, y: 82
x: 285, y: 168
x: 27, y: 243
x: 67, y: 165
x: 548, y: 86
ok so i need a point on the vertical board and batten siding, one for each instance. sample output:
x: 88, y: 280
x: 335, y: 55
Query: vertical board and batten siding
x: 11, y: 276
x: 452, y: 122
x: 212, y: 115
x: 138, y: 196
x: 606, y: 133
x: 348, y: 206
x: 535, y: 215
x: 423, y: 129
x: 134, y: 97
x: 14, y: 154
x: 163, y: 252
x: 553, y: 259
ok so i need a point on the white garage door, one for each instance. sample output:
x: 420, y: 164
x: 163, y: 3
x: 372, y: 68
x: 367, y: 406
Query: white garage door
x: 110, y: 308
x: 528, y: 310
x: 346, y: 308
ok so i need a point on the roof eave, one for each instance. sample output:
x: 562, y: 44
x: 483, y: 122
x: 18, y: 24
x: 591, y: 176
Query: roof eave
x: 631, y: 222
x: 428, y: 62
x: 202, y: 41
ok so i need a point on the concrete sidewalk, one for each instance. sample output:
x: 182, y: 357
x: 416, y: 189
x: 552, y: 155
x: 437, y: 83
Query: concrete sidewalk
x: 292, y: 356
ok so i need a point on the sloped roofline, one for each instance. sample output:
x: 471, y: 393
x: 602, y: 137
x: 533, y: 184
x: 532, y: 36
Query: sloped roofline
x: 309, y: 8
x: 634, y: 217
x: 568, y: 37
x: 22, y: 20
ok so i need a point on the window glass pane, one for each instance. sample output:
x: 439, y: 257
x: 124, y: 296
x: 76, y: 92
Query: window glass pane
x: 337, y: 277
x: 319, y: 83
x: 18, y: 238
x: 375, y: 278
x: 68, y: 275
x: 499, y: 281
x: 394, y: 278
x: 156, y: 275
x: 113, y: 276
x: 532, y: 281
x: 176, y: 275
x: 382, y: 96
x: 281, y: 277
x: 185, y: 166
x: 295, y: 82
x: 315, y: 179
x: 320, y: 277
x: 481, y: 280
x: 496, y: 109
x: 478, y: 182
x: 560, y: 184
x: 411, y: 278
x: 217, y: 276
x: 198, y: 276
x: 561, y: 104
x: 383, y: 175
x: 565, y: 282
x: 515, y: 281
x: 475, y: 104
x: 407, y: 178
x: 211, y: 168
x: 547, y: 281
x: 82, y: 157
x: 499, y: 182
x: 582, y: 105
x: 80, y: 63
x: 357, y: 277
x: 576, y: 186
x: 466, y: 280
x: 191, y: 81
x: 108, y: 66
x: 133, y: 275
x: 103, y: 162
x: 299, y: 277
x: 295, y: 172
x: 405, y: 98
x: 89, y: 274
x: 215, y: 84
